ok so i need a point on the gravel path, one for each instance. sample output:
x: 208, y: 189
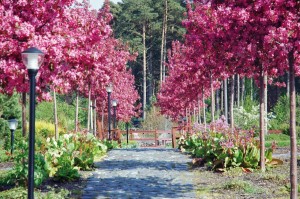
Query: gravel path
x: 142, y: 174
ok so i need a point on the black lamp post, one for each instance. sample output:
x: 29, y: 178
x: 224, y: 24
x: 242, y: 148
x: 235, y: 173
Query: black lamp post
x: 12, y: 123
x: 32, y: 59
x: 109, y: 89
x: 114, y: 104
x: 127, y: 125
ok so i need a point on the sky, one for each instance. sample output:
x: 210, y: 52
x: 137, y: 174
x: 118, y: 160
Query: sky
x: 98, y: 3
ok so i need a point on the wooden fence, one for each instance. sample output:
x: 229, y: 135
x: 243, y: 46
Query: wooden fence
x: 146, y: 138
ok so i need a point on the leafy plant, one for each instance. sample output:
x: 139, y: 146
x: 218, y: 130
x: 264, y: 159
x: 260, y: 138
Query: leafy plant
x: 70, y: 153
x: 220, y: 148
x: 20, y: 170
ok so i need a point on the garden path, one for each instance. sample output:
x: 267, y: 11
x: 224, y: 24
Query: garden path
x: 141, y: 173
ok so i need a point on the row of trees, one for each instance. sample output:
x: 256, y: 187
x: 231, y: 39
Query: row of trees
x: 149, y: 27
x: 254, y: 39
x: 82, y: 56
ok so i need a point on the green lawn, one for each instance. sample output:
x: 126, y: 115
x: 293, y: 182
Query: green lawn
x: 281, y: 140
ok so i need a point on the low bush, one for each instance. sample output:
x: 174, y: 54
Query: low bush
x: 219, y: 148
x: 70, y: 153
x: 19, y: 175
x: 60, y: 159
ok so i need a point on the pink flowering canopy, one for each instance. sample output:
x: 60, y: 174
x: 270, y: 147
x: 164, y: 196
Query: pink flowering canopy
x: 230, y: 37
x: 80, y: 51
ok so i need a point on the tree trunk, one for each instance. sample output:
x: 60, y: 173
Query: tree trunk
x: 24, y: 127
x: 288, y: 84
x: 226, y: 100
x: 217, y: 101
x: 95, y: 118
x: 238, y: 90
x: 165, y: 39
x: 243, y: 91
x: 266, y: 103
x: 194, y: 115
x: 55, y: 115
x: 92, y: 117
x: 231, y: 102
x: 199, y: 112
x: 162, y: 51
x: 293, y: 134
x: 144, y: 72
x: 76, y: 112
x: 89, y: 111
x: 102, y: 122
x: 262, y: 121
x: 251, y: 88
x: 212, y: 99
x: 222, y: 98
x: 204, y: 114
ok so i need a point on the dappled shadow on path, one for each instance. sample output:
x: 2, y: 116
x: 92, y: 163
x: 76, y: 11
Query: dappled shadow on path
x: 149, y: 187
x: 141, y: 164
x: 141, y: 173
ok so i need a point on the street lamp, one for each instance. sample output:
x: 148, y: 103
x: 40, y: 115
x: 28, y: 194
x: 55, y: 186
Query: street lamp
x: 32, y: 59
x: 109, y: 89
x: 12, y: 123
x: 114, y: 104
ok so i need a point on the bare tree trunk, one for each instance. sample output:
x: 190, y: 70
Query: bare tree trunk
x: 95, y: 118
x: 162, y: 50
x: 266, y: 103
x: 243, y: 91
x: 89, y: 111
x: 194, y: 115
x: 217, y: 101
x: 55, y: 115
x: 144, y: 72
x: 293, y: 134
x: 165, y: 38
x: 186, y: 115
x: 92, y: 117
x: 231, y: 102
x: 204, y: 114
x: 251, y: 89
x: 102, y: 121
x: 288, y: 84
x: 226, y: 100
x: 262, y: 121
x: 212, y: 99
x: 238, y: 90
x: 76, y: 112
x: 199, y: 111
x: 222, y: 98
x: 24, y: 114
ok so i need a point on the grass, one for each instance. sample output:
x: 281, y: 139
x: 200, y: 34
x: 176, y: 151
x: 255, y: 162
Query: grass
x: 281, y: 140
x: 275, y: 178
x: 20, y: 193
x: 241, y: 185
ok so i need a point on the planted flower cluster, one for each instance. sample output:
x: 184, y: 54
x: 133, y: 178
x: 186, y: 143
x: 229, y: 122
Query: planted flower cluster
x: 220, y: 147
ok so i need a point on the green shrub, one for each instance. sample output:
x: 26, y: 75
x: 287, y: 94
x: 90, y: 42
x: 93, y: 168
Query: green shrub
x: 19, y: 175
x: 70, y: 153
x: 220, y: 148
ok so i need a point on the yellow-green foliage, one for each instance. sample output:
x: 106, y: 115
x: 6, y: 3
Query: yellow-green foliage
x: 46, y: 129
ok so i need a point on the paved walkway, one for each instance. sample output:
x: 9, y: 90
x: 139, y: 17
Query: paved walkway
x: 142, y: 174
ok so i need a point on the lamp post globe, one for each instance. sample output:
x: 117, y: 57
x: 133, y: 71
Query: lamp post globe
x: 109, y: 89
x: 12, y: 123
x: 32, y: 59
x: 114, y: 104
